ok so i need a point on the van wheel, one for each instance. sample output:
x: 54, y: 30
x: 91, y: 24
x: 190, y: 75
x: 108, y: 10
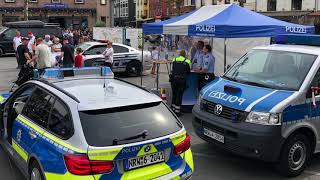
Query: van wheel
x: 294, y: 156
x: 35, y: 172
x: 134, y: 68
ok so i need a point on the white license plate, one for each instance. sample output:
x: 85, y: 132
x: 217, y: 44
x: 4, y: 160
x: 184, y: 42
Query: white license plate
x: 214, y: 135
x: 141, y: 161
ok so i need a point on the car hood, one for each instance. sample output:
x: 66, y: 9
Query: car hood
x: 242, y: 96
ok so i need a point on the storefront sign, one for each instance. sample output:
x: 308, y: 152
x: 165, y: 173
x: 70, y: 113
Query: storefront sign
x: 55, y: 6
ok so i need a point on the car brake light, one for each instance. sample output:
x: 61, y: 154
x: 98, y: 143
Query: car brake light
x: 81, y: 165
x: 183, y: 146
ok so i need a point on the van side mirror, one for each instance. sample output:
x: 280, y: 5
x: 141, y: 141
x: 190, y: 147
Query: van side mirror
x: 18, y: 106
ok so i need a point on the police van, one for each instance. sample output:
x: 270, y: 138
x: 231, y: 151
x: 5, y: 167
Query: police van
x: 267, y: 105
x: 84, y: 124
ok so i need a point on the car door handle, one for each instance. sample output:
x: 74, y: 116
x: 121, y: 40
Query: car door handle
x: 32, y: 135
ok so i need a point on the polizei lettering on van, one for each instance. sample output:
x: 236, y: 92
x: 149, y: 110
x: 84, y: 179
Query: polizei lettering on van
x: 226, y: 97
x: 301, y: 30
x: 206, y: 28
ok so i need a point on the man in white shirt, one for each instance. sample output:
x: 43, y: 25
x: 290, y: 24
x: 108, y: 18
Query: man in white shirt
x: 108, y: 55
x: 31, y: 41
x: 16, y: 43
x: 47, y: 40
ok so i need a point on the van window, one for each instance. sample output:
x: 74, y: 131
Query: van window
x: 272, y: 69
x: 10, y: 34
x: 102, y: 127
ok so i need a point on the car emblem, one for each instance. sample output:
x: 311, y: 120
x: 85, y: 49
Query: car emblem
x: 147, y: 149
x: 19, y: 133
x: 218, y: 109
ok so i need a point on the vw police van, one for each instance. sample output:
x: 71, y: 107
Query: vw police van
x: 266, y: 106
x: 81, y: 124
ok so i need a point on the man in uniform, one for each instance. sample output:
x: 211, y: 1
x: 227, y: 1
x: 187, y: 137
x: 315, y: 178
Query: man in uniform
x: 207, y: 67
x: 180, y: 69
x: 198, y: 57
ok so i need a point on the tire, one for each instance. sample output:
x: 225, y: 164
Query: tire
x: 1, y: 52
x: 294, y: 156
x: 35, y: 172
x: 134, y: 69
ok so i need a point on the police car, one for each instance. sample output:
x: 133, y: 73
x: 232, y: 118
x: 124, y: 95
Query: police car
x: 76, y: 124
x: 267, y: 105
x: 126, y: 59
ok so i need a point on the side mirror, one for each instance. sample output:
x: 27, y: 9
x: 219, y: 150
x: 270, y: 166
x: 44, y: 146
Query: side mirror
x: 228, y: 66
x: 18, y: 106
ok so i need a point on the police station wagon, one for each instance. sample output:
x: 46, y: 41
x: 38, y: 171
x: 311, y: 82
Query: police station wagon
x: 75, y: 125
x: 266, y: 106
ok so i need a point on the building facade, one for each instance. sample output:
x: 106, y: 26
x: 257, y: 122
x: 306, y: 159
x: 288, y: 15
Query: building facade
x: 159, y: 9
x: 68, y: 13
x: 124, y: 13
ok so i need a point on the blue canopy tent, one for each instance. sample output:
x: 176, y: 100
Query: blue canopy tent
x: 225, y: 21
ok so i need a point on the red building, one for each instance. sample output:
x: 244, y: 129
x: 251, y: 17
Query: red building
x: 158, y: 8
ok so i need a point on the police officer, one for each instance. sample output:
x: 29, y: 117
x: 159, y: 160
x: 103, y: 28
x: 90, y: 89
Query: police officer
x: 207, y: 67
x: 197, y: 59
x: 180, y: 69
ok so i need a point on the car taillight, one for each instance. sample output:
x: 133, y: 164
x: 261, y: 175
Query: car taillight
x: 81, y: 165
x: 183, y: 146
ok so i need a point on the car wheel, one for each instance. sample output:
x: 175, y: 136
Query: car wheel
x: 134, y: 68
x: 35, y: 172
x: 294, y: 156
x: 1, y: 52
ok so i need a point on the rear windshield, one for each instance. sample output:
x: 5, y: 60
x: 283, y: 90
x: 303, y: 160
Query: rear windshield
x: 103, y: 127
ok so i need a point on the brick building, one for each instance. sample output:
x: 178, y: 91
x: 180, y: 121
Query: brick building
x: 68, y: 13
x: 159, y: 9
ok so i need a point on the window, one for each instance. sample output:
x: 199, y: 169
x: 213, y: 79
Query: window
x: 214, y: 2
x: 272, y: 5
x: 96, y: 50
x: 79, y: 1
x: 227, y: 1
x: 120, y: 49
x: 10, y: 34
x: 154, y: 118
x: 103, y: 19
x: 296, y: 4
x: 272, y: 69
x: 38, y: 107
x: 124, y: 8
x: 10, y: 1
x: 103, y: 2
x: 60, y: 122
x: 33, y: 1
x: 55, y: 1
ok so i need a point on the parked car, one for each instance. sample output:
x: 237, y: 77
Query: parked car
x: 126, y: 59
x: 38, y: 28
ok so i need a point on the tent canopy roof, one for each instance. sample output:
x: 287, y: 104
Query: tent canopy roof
x: 225, y: 21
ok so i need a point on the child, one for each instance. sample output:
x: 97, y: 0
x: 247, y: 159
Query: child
x: 78, y: 60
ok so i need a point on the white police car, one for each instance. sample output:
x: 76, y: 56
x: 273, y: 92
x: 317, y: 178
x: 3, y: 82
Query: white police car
x: 126, y: 59
x: 267, y: 105
x: 76, y: 124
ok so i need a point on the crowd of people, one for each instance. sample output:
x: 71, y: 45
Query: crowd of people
x: 49, y: 51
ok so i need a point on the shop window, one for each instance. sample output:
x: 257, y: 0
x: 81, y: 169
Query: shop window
x: 10, y: 1
x: 296, y: 4
x: 272, y: 5
x: 79, y: 1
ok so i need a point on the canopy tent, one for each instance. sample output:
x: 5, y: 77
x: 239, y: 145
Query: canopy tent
x: 225, y: 21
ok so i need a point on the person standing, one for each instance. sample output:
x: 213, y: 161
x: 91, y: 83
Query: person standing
x: 56, y: 49
x: 178, y: 78
x: 207, y: 68
x: 47, y: 40
x: 16, y: 43
x: 31, y: 45
x: 23, y: 52
x: 67, y: 53
x: 78, y: 60
x: 42, y: 56
x: 108, y: 55
x: 198, y: 57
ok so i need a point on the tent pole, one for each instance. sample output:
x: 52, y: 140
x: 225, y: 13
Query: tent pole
x: 142, y: 59
x: 225, y: 55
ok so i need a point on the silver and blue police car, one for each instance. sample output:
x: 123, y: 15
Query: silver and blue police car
x: 267, y: 105
x: 84, y: 124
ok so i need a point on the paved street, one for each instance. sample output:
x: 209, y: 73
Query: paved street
x: 210, y: 163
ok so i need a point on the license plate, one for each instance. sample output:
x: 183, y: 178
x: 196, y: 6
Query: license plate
x: 214, y: 135
x: 146, y: 160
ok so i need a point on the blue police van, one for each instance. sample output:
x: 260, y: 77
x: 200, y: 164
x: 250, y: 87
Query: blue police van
x: 267, y: 105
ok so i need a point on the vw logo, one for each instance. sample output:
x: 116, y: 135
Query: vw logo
x: 218, y: 109
x: 147, y: 148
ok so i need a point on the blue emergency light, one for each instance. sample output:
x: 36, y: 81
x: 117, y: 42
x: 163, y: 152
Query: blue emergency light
x: 308, y: 39
x: 61, y: 73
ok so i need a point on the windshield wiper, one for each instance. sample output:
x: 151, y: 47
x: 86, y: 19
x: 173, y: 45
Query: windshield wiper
x: 229, y: 78
x: 255, y: 84
x: 142, y: 134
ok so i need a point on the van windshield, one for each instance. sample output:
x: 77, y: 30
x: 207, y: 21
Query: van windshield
x: 272, y: 69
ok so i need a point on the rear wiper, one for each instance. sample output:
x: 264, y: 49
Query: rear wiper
x: 142, y: 134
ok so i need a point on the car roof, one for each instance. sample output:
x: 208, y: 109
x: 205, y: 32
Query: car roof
x: 315, y: 50
x: 101, y: 93
x: 95, y: 43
